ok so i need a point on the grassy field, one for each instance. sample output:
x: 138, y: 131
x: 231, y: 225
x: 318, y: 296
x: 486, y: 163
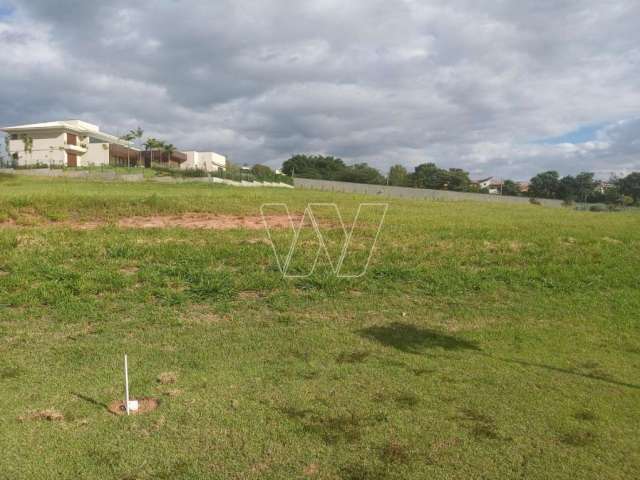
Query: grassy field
x: 485, y: 341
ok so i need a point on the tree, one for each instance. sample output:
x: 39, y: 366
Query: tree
x: 27, y: 143
x: 314, y: 166
x: 428, y: 175
x: 152, y: 143
x: 585, y: 185
x: 457, y: 180
x: 262, y: 171
x: 7, y: 149
x: 612, y: 195
x: 137, y: 135
x: 128, y: 138
x: 169, y: 149
x: 630, y: 186
x: 360, y: 173
x: 568, y: 188
x: 545, y: 185
x: 398, y: 176
x: 510, y: 188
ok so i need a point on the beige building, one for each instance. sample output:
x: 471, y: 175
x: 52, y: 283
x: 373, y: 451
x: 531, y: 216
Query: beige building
x: 207, y: 161
x: 74, y: 143
x: 70, y: 143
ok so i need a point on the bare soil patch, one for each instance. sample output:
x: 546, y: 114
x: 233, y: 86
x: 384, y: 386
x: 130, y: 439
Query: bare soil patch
x: 50, y: 415
x: 193, y: 221
x: 204, y: 221
x: 144, y: 405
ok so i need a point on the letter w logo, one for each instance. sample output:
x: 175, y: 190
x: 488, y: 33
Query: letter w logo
x: 319, y: 231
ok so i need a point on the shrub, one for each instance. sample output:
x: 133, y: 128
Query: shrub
x: 32, y: 166
x: 597, y: 208
x: 534, y: 201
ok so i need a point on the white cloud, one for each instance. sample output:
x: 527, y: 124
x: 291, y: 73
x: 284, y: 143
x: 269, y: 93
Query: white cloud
x: 462, y: 83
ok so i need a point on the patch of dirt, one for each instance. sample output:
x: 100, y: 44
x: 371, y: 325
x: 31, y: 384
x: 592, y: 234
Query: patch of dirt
x: 311, y: 470
x: 250, y: 295
x: 145, y: 405
x: 204, y: 221
x: 49, y: 415
x: 166, y: 378
x: 202, y: 315
x: 192, y: 221
x: 129, y: 270
x: 612, y: 240
x: 173, y: 392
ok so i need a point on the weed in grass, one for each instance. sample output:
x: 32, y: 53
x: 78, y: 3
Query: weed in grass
x: 352, y: 357
x: 418, y: 372
x: 583, y: 438
x: 166, y: 378
x: 394, y: 452
x: 484, y: 427
x: 485, y: 430
x: 311, y: 470
x: 585, y: 416
x: 332, y: 429
x: 407, y: 400
x: 7, y: 373
x: 50, y: 415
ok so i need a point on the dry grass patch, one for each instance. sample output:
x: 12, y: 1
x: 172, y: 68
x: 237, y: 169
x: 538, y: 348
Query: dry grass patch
x: 50, y: 415
x: 167, y: 378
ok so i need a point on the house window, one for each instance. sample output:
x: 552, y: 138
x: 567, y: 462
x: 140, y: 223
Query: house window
x: 71, y: 139
x: 14, y: 136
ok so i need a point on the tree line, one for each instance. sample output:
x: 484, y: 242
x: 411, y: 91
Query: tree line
x: 582, y: 187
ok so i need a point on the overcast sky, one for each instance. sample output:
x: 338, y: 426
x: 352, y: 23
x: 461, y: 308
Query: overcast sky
x: 505, y: 88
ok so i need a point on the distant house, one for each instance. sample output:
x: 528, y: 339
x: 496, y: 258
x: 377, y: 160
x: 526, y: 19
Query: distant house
x: 208, y: 161
x: 602, y: 186
x: 74, y: 143
x: 523, y: 186
x: 484, y: 183
x: 491, y: 184
x: 69, y: 143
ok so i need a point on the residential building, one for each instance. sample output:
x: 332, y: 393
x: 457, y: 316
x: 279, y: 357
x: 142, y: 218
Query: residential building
x: 74, y: 143
x: 484, y: 183
x: 491, y: 184
x: 70, y: 143
x: 523, y: 186
x: 208, y: 161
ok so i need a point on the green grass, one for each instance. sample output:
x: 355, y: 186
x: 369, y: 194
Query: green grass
x: 485, y: 341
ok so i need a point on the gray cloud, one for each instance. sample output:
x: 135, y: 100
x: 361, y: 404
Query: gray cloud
x: 463, y: 83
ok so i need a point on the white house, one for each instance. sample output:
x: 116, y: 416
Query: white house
x: 71, y: 143
x: 492, y: 184
x: 74, y: 143
x: 208, y: 161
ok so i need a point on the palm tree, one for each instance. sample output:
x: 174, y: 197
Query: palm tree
x: 152, y: 143
x: 127, y: 138
x: 136, y: 135
x: 169, y: 149
x: 28, y: 144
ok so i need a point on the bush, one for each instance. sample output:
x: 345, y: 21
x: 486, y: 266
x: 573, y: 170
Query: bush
x: 193, y: 173
x: 32, y: 166
x: 534, y: 201
x: 598, y: 208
